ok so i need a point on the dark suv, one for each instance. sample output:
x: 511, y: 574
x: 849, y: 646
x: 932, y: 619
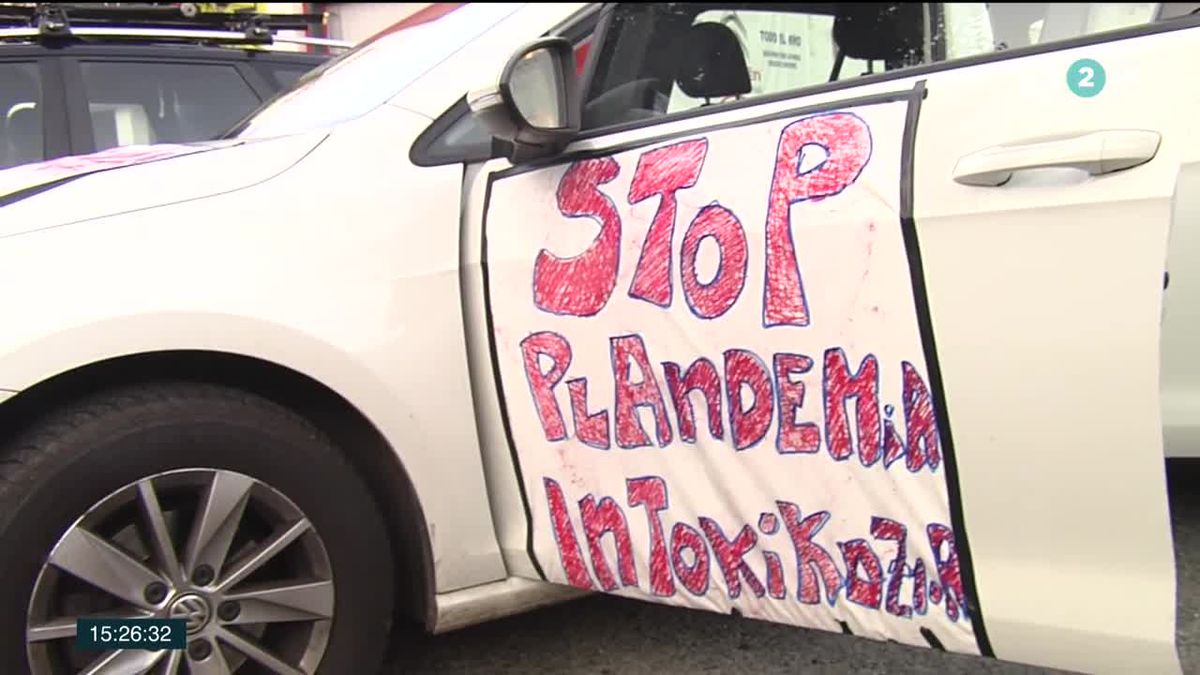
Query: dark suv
x: 76, y: 79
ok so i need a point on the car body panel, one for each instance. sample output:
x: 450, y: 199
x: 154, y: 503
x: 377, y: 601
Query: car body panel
x: 1046, y: 299
x: 163, y: 174
x: 1181, y: 321
x: 336, y: 289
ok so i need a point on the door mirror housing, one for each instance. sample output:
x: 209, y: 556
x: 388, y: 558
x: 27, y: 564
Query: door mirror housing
x: 534, y: 108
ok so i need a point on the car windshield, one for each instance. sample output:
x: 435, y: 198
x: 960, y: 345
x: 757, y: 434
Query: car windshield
x: 368, y: 75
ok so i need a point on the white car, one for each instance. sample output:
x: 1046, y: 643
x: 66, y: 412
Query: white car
x: 843, y: 316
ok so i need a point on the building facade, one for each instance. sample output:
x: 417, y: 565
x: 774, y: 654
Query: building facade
x: 356, y: 21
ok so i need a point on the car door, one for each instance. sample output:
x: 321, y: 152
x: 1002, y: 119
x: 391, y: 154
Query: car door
x: 847, y: 317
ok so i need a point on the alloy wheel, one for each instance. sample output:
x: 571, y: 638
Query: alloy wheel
x: 230, y: 555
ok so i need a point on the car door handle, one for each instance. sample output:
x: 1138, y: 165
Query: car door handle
x: 1096, y: 152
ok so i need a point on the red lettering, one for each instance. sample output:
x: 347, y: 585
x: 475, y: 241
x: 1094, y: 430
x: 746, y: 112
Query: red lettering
x: 743, y: 368
x: 651, y: 492
x: 919, y: 581
x: 768, y: 523
x: 893, y: 445
x: 711, y: 300
x: 863, y: 387
x: 582, y: 285
x: 919, y: 420
x: 859, y: 557
x: 886, y: 529
x: 949, y: 574
x: 774, y: 575
x: 731, y: 555
x: 701, y: 376
x: 813, y: 562
x: 847, y: 142
x: 564, y: 536
x: 602, y: 519
x: 590, y: 429
x: 541, y: 384
x: 792, y: 436
x: 694, y: 577
x: 630, y: 396
x: 663, y: 172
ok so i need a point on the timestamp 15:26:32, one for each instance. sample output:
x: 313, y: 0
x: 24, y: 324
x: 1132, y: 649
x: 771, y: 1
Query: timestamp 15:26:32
x: 151, y: 634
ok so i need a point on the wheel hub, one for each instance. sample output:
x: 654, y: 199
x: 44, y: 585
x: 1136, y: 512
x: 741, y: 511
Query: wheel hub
x: 192, y: 608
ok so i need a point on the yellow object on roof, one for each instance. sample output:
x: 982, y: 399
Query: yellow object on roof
x: 259, y: 7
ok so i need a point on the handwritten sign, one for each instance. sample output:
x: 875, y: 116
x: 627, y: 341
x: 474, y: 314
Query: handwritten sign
x: 715, y: 378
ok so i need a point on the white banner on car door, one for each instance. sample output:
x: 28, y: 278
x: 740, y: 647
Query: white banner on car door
x: 716, y: 381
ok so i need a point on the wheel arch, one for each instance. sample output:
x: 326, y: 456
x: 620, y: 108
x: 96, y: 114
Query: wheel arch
x: 350, y: 429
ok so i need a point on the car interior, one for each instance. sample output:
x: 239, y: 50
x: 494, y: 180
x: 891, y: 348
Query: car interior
x: 20, y: 119
x: 659, y: 52
x: 166, y: 103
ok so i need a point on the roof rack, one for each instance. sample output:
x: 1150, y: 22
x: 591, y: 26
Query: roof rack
x: 155, y: 21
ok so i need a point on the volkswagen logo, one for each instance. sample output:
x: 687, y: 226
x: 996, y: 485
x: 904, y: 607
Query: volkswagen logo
x: 193, y: 609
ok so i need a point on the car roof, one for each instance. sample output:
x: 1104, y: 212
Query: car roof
x: 155, y: 50
x: 157, y: 31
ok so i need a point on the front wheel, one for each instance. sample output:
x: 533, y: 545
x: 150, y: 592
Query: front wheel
x: 197, y: 503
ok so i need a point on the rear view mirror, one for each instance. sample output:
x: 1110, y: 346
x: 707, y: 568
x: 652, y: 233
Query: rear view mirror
x: 534, y: 107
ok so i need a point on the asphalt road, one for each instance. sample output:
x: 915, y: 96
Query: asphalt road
x: 613, y: 636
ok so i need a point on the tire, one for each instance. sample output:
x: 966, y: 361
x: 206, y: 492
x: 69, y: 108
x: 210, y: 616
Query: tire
x: 95, y: 452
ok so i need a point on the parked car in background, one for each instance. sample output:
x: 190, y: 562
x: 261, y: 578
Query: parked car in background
x: 845, y: 316
x: 113, y: 77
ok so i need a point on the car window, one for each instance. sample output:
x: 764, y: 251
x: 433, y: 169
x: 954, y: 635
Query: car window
x: 21, y: 139
x: 782, y: 51
x: 664, y: 58
x: 135, y: 103
x: 975, y: 28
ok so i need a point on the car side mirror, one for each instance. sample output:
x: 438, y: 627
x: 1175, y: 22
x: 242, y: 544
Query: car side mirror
x: 534, y: 108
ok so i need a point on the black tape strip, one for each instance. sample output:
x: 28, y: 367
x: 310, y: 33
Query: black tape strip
x: 908, y: 227
x: 932, y: 639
